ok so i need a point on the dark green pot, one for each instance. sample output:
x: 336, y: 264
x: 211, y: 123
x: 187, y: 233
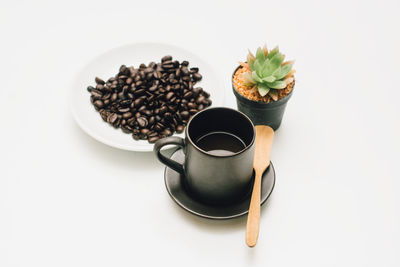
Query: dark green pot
x: 262, y: 113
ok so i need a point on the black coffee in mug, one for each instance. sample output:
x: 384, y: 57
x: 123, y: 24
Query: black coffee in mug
x: 220, y: 143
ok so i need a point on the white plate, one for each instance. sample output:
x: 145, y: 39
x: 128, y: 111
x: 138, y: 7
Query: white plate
x: 107, y: 65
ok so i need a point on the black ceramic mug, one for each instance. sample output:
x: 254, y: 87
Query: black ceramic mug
x: 218, y: 148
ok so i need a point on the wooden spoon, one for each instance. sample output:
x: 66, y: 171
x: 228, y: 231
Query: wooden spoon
x: 264, y: 138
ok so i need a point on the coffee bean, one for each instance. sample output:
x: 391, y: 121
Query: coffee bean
x: 98, y: 103
x: 153, y: 139
x: 174, y: 122
x: 163, y: 109
x: 149, y: 76
x: 96, y: 93
x: 127, y: 115
x: 106, y: 96
x: 200, y: 99
x: 104, y: 116
x: 121, y: 95
x: 139, y: 92
x: 153, y: 88
x: 138, y: 102
x: 180, y: 128
x: 142, y: 109
x: 148, y: 70
x: 142, y: 122
x: 185, y: 71
x: 166, y: 58
x: 113, y: 97
x: 122, y: 69
x: 167, y: 116
x: 159, y: 126
x: 191, y: 105
x: 139, y: 83
x: 197, y: 91
x: 167, y: 132
x: 99, y: 81
x: 112, y: 118
x: 117, y: 122
x: 123, y: 110
x: 151, y: 120
x: 197, y: 76
x: 168, y: 64
x: 169, y: 95
x: 194, y: 70
x: 129, y: 81
x: 188, y: 95
x: 185, y: 114
x: 144, y: 131
x: 125, y: 129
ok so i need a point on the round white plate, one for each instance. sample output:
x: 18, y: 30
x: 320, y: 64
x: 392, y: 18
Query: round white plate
x: 107, y: 65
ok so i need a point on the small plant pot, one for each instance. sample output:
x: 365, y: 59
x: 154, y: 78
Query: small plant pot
x: 259, y: 112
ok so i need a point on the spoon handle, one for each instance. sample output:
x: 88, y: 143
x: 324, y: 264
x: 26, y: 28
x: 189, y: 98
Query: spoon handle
x: 253, y: 219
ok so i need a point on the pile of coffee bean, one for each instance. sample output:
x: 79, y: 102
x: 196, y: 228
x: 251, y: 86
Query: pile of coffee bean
x: 150, y: 102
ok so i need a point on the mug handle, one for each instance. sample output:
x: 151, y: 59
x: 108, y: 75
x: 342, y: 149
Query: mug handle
x: 172, y: 140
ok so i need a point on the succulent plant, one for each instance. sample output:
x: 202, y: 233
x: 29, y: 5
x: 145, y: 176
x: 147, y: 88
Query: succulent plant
x: 268, y: 72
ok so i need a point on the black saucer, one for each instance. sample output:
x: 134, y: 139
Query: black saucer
x: 177, y: 191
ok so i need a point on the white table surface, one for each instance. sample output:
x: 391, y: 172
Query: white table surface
x: 68, y: 200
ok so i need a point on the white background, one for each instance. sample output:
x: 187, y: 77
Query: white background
x: 68, y: 200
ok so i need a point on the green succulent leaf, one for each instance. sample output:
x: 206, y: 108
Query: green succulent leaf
x: 273, y: 52
x: 277, y: 85
x: 250, y: 59
x: 263, y: 89
x: 276, y: 60
x: 288, y: 80
x: 267, y: 68
x: 269, y: 79
x: 250, y: 62
x: 255, y: 77
x: 273, y: 94
x: 260, y: 55
x: 257, y: 67
x: 282, y: 71
x: 248, y: 80
x: 265, y: 50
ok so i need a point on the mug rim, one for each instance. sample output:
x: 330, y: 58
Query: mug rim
x: 218, y: 156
